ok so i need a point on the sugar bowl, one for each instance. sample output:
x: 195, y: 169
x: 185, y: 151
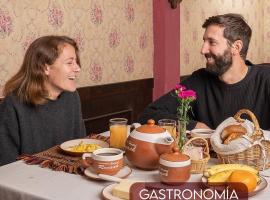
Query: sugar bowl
x: 174, y: 167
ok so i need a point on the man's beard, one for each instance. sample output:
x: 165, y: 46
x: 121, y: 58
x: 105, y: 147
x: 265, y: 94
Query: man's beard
x: 222, y: 63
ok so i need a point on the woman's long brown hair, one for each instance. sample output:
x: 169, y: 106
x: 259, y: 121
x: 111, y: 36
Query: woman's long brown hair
x: 28, y: 84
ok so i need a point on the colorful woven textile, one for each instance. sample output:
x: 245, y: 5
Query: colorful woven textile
x: 55, y: 159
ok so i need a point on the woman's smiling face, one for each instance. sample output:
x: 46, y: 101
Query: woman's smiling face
x: 62, y: 74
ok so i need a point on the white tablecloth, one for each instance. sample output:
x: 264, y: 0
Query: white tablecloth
x: 19, y: 181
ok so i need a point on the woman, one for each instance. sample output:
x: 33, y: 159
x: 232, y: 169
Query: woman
x: 41, y: 106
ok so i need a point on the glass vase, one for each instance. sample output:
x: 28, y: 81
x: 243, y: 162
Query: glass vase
x: 182, y: 138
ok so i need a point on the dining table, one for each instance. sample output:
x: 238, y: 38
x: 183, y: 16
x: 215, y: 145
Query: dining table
x: 20, y: 181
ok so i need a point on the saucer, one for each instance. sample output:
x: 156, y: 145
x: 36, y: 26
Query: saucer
x: 107, y: 192
x: 123, y: 173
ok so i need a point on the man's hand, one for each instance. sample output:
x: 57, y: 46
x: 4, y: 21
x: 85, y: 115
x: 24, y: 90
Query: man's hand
x: 201, y: 125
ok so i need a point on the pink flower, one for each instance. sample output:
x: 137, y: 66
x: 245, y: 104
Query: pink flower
x: 187, y: 94
x: 182, y: 93
x: 180, y: 87
x: 184, y: 97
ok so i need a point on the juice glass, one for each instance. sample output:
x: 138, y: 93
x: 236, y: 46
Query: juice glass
x: 169, y: 125
x: 118, y: 132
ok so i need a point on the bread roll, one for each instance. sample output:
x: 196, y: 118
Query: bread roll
x: 232, y: 129
x: 232, y: 136
x: 232, y: 132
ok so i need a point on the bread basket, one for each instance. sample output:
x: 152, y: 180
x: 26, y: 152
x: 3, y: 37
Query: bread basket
x: 198, y: 166
x: 257, y: 155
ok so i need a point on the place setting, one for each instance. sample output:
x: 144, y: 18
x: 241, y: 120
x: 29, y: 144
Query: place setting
x: 108, y: 161
x: 79, y: 146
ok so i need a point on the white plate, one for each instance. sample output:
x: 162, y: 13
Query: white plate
x: 66, y: 145
x: 263, y: 184
x: 123, y: 173
x: 107, y: 192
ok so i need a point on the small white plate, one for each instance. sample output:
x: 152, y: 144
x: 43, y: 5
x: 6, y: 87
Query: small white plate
x: 68, y: 144
x: 123, y: 173
x: 261, y: 186
x: 107, y: 192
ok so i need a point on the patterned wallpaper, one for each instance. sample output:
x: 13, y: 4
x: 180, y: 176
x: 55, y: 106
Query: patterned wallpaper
x: 194, y: 12
x: 115, y: 37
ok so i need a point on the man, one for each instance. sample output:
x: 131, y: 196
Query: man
x: 227, y: 84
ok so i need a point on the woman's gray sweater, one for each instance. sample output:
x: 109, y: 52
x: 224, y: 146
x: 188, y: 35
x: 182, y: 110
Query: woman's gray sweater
x: 28, y: 129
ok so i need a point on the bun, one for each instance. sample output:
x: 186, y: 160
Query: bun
x: 232, y: 136
x: 232, y: 132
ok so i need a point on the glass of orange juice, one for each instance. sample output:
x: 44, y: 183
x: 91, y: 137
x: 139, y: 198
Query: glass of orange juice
x: 169, y: 125
x: 118, y: 132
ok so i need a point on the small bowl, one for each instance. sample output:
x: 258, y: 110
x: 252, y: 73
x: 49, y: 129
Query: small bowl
x: 174, y: 168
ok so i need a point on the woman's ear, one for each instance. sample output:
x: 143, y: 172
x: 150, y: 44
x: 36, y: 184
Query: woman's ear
x: 47, y: 69
x: 237, y: 47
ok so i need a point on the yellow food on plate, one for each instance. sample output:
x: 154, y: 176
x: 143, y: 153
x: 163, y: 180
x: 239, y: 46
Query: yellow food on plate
x: 240, y: 176
x: 121, y: 190
x: 84, y: 147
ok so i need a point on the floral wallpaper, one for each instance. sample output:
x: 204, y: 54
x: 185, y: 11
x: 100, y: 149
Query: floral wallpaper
x: 194, y: 12
x: 115, y: 37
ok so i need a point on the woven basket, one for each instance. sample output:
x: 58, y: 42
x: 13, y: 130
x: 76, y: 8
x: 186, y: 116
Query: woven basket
x: 198, y: 166
x: 258, y: 154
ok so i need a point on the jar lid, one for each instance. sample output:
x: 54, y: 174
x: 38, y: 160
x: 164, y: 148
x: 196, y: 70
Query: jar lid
x: 175, y: 156
x: 150, y: 127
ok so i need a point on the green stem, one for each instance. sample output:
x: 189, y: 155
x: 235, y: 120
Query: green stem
x: 182, y: 125
x: 182, y: 133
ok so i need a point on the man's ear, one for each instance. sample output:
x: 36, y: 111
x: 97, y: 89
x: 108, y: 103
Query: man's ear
x: 237, y: 47
x: 47, y: 69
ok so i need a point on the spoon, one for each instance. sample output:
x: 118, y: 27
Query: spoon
x: 110, y: 178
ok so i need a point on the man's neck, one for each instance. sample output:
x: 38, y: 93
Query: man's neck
x: 236, y: 73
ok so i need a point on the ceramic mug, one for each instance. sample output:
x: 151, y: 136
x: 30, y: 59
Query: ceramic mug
x: 105, y: 160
